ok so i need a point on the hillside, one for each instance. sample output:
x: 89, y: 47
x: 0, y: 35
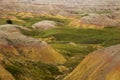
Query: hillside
x: 21, y: 55
x: 29, y: 47
x: 102, y: 64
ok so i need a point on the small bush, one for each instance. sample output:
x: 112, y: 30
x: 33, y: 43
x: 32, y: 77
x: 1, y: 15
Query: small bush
x: 9, y: 22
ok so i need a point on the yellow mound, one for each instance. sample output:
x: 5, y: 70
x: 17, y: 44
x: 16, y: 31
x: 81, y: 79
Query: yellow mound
x: 103, y: 64
x: 76, y: 23
x: 25, y: 15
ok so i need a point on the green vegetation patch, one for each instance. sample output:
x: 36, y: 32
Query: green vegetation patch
x: 33, y: 70
x: 106, y: 36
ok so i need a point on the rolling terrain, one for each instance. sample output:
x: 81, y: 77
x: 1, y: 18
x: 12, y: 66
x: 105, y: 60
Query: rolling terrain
x: 58, y: 50
x: 59, y: 39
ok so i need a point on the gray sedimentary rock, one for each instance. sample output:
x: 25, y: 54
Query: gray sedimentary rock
x: 47, y: 6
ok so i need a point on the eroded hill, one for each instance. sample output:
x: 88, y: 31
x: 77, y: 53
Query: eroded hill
x: 21, y: 55
x: 29, y: 47
x: 102, y: 64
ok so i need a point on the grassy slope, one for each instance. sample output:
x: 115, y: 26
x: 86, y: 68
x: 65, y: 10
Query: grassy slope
x: 25, y: 70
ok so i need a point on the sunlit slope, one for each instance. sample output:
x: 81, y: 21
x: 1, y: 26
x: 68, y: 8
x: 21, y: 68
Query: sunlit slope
x: 103, y: 64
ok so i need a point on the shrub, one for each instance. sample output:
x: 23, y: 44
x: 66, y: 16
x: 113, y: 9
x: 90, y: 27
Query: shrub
x: 9, y: 22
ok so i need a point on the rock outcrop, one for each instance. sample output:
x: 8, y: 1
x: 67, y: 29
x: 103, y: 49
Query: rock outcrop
x: 94, y: 20
x: 105, y: 20
x: 45, y: 25
x: 102, y: 64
